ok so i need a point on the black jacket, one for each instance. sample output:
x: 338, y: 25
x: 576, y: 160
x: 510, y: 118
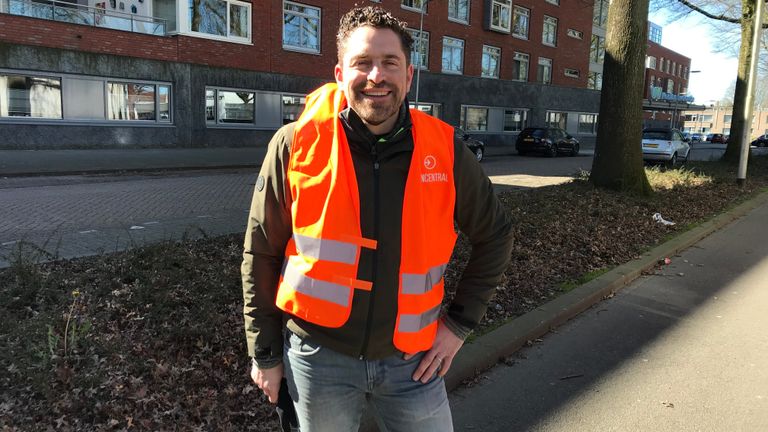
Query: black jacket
x: 381, y: 167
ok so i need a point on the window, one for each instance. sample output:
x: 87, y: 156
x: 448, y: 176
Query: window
x: 520, y: 22
x: 293, y: 105
x: 420, y: 51
x: 587, y: 123
x: 670, y: 86
x: 228, y: 19
x: 554, y: 2
x: 520, y: 67
x: 595, y: 81
x: 654, y: 33
x: 544, y: 73
x: 685, y: 72
x: 243, y: 108
x: 230, y: 106
x: 412, y: 4
x: 432, y: 109
x: 600, y: 15
x: 500, y: 15
x: 458, y: 10
x: 674, y: 68
x: 137, y: 101
x: 30, y: 96
x: 661, y: 64
x: 515, y: 120
x: 474, y: 119
x: 575, y: 34
x: 597, y: 49
x: 571, y: 73
x: 727, y: 118
x: 301, y: 27
x: 650, y: 62
x: 556, y: 119
x: 549, y: 33
x: 453, y: 55
x: 490, y: 62
x: 726, y: 131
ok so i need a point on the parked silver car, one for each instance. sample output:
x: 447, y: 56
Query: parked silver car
x: 665, y: 145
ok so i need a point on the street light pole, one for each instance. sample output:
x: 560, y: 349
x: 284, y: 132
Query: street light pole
x: 741, y: 177
x: 418, y: 49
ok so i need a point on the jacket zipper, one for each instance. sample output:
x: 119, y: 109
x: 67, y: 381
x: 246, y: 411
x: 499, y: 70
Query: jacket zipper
x: 368, y: 325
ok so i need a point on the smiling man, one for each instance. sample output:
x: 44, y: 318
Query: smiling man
x: 350, y: 232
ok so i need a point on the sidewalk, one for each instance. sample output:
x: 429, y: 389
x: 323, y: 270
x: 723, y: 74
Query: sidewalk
x: 58, y: 162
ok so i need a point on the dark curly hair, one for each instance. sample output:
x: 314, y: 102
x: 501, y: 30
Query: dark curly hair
x: 376, y: 17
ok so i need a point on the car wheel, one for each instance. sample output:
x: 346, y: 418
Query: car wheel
x: 552, y: 152
x: 672, y: 161
x: 479, y: 154
x: 575, y: 151
x: 520, y: 152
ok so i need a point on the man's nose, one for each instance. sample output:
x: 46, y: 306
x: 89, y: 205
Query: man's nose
x: 376, y: 74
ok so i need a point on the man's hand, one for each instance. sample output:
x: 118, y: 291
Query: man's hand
x: 268, y: 380
x: 440, y: 356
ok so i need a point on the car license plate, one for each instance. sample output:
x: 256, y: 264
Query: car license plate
x: 528, y: 139
x: 651, y: 145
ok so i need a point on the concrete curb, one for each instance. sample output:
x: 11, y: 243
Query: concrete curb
x: 502, y: 342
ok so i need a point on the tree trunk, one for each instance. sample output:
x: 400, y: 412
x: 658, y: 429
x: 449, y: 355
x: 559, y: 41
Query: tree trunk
x: 618, y: 162
x: 738, y: 125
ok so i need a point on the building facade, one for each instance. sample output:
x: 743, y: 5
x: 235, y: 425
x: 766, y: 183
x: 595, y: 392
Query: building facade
x: 717, y: 119
x: 665, y: 94
x: 202, y: 73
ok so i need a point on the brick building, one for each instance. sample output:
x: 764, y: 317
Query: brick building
x: 665, y: 94
x: 203, y: 73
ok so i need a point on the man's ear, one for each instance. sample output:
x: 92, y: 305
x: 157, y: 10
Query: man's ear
x: 338, y: 73
x: 409, y: 76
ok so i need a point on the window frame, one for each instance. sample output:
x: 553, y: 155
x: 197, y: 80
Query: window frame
x: 503, y: 5
x: 463, y: 117
x: 487, y: 50
x: 524, y: 121
x: 527, y: 67
x: 413, y: 33
x: 551, y: 69
x: 456, y: 19
x: 552, y: 26
x: 424, y: 5
x: 524, y: 12
x: 319, y: 18
x: 102, y: 82
x: 450, y: 41
x: 228, y: 38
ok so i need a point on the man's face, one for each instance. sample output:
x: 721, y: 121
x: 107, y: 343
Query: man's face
x: 374, y: 76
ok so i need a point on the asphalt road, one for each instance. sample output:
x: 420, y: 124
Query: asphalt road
x: 70, y: 216
x: 684, y: 349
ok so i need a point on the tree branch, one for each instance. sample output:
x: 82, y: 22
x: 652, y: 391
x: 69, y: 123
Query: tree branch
x: 695, y: 8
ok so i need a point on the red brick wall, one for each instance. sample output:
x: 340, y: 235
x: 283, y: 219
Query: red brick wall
x: 266, y: 52
x: 659, y: 51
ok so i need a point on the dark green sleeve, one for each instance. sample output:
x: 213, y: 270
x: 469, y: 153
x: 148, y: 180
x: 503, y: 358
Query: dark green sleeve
x: 480, y: 216
x: 268, y: 232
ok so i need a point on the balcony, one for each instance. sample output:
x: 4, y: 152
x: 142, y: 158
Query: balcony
x: 86, y: 15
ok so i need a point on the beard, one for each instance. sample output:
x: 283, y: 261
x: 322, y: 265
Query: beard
x: 372, y: 111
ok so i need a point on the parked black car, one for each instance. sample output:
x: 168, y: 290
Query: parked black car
x: 761, y: 141
x: 549, y: 141
x: 474, y: 144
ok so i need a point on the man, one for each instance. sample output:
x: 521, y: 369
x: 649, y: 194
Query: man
x: 350, y: 231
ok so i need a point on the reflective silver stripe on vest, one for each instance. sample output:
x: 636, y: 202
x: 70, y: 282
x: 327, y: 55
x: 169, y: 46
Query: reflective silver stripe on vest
x: 326, y: 250
x: 414, y: 323
x: 421, y: 283
x: 319, y: 289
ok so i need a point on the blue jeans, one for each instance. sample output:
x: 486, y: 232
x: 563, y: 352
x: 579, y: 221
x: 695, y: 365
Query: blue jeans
x: 330, y: 390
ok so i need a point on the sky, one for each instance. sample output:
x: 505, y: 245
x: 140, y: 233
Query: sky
x: 692, y: 37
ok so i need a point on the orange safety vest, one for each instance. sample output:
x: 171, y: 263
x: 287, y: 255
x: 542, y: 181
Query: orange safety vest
x: 320, y: 270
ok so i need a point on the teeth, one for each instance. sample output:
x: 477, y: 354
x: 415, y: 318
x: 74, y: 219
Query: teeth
x: 376, y: 93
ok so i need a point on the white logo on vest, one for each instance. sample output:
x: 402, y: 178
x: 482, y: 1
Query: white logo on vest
x: 430, y: 162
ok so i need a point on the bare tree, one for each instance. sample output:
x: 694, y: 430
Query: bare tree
x: 618, y: 162
x: 735, y: 19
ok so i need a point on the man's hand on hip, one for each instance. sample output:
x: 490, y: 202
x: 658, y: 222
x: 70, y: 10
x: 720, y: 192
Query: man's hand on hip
x: 268, y: 380
x: 440, y: 356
